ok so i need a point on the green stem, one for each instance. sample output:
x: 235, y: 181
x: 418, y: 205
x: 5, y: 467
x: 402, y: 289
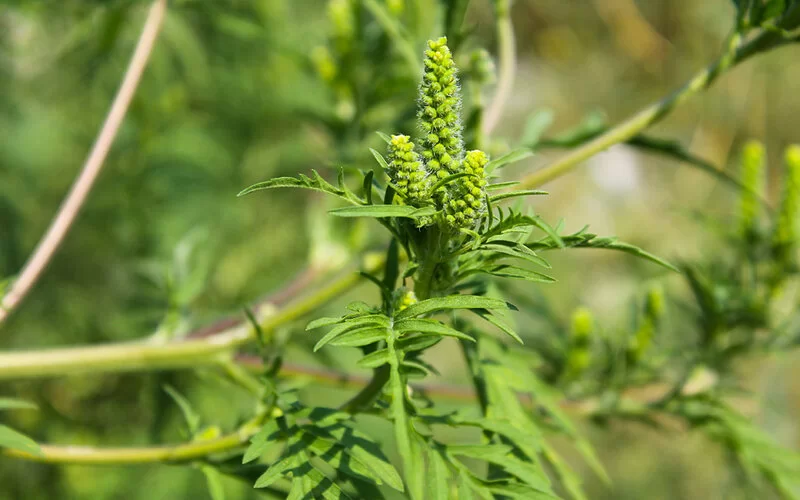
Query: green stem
x: 144, y: 356
x: 506, y: 48
x: 186, y: 452
x: 736, y: 53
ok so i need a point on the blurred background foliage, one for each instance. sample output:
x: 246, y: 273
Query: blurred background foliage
x: 240, y: 91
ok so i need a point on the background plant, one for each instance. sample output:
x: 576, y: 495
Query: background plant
x: 598, y: 385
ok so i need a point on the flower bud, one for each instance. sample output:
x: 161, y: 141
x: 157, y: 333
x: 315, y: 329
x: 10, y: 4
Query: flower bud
x: 406, y: 170
x: 785, y: 234
x: 752, y: 165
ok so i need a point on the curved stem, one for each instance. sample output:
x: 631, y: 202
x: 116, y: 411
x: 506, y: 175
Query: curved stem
x: 66, y: 215
x: 144, y: 356
x: 736, y: 53
x: 508, y: 66
x: 186, y: 452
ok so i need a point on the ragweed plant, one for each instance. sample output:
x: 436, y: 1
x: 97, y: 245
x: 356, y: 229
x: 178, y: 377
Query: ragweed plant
x: 450, y: 238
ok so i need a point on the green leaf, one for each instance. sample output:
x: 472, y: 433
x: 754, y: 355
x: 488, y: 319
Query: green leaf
x: 429, y: 326
x: 451, y: 302
x: 507, y: 159
x: 189, y: 415
x: 569, y: 479
x: 214, y: 482
x: 499, y: 324
x: 16, y: 404
x: 447, y: 180
x: 360, y: 337
x: 418, y: 343
x: 509, y: 271
x: 361, y: 451
x: 320, y: 322
x: 380, y: 159
x: 383, y: 211
x: 501, y: 455
x: 344, y: 328
x: 514, y: 194
x: 439, y: 476
x: 514, y: 249
x: 535, y: 127
x: 315, y: 183
x: 374, y: 359
x: 386, y: 138
x: 13, y: 440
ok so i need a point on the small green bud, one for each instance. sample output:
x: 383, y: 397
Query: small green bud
x: 654, y: 305
x: 324, y: 63
x: 785, y: 234
x: 342, y: 16
x: 482, y: 67
x: 752, y: 165
x: 579, y: 356
x: 403, y: 299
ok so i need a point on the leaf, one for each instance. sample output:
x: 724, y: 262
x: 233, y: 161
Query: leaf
x: 450, y: 302
x: 16, y: 404
x: 499, y: 324
x: 439, y: 480
x: 501, y: 455
x: 13, y: 440
x: 374, y: 359
x: 360, y: 337
x: 380, y: 159
x: 514, y: 194
x: 320, y: 322
x: 383, y: 211
x: 418, y: 343
x: 354, y: 324
x: 535, y: 126
x: 514, y: 249
x: 315, y: 183
x: 189, y: 415
x: 583, y: 239
x: 362, y: 450
x: 429, y: 326
x: 507, y: 159
x: 509, y: 271
x: 214, y: 482
x: 386, y: 138
x: 569, y: 479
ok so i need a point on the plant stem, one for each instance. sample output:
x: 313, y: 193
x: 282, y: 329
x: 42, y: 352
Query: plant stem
x: 144, y: 356
x: 736, y: 53
x: 185, y: 452
x: 508, y: 66
x: 72, y: 204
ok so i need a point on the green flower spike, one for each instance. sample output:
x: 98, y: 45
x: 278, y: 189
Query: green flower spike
x: 406, y: 170
x: 579, y: 356
x: 785, y: 236
x: 753, y: 180
x: 439, y: 105
x: 466, y: 203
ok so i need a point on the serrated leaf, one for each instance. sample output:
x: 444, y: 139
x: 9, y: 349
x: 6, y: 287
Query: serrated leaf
x: 429, y: 326
x: 374, y: 359
x: 315, y: 183
x: 509, y: 271
x: 13, y: 440
x: 259, y: 443
x: 189, y: 415
x: 450, y: 302
x: 516, y: 194
x: 507, y: 159
x: 405, y: 211
x: 514, y: 249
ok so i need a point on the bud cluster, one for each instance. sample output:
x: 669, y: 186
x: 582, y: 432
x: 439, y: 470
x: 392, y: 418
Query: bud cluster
x: 785, y: 236
x: 441, y: 154
x: 753, y: 180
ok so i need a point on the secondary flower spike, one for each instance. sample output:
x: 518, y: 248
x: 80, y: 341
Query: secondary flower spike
x: 407, y: 171
x: 466, y: 203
